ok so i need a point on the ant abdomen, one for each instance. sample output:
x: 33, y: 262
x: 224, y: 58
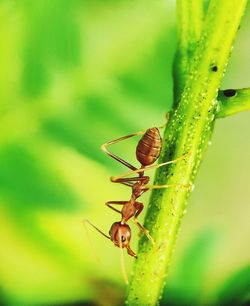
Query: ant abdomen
x: 149, y: 147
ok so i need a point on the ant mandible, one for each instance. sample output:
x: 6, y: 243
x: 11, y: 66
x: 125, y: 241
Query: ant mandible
x: 147, y: 152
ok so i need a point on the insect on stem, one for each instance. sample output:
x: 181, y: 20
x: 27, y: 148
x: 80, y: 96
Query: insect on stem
x: 147, y: 152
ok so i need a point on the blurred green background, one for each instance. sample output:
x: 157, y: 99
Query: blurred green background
x: 73, y: 75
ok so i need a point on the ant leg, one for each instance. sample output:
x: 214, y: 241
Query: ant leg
x: 168, y: 162
x: 109, y: 203
x: 128, y: 181
x: 139, y: 207
x: 166, y: 121
x: 143, y: 229
x: 117, y: 158
x: 120, y: 160
x: 147, y: 187
x: 151, y: 167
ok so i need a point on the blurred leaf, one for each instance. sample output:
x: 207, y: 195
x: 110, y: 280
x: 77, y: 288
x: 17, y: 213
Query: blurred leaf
x: 186, y: 285
x: 28, y: 184
x: 236, y: 290
x: 53, y: 40
x: 75, y: 128
x: 151, y: 80
x: 94, y: 71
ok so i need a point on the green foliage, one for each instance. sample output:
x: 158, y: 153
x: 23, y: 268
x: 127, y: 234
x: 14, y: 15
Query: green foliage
x: 26, y: 182
x: 235, y: 290
x: 75, y: 74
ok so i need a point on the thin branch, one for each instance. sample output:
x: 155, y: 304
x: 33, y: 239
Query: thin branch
x: 233, y: 101
x: 189, y: 130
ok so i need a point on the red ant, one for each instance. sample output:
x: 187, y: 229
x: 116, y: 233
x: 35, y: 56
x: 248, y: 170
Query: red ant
x: 147, y: 152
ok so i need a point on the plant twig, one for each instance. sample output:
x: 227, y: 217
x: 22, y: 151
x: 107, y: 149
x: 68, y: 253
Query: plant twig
x: 233, y: 101
x: 189, y: 130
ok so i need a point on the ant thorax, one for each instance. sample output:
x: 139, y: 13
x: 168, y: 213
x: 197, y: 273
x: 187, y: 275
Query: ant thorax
x: 128, y: 210
x: 136, y: 190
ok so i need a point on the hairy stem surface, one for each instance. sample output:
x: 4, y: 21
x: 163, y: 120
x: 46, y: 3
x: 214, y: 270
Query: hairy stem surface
x: 190, y: 18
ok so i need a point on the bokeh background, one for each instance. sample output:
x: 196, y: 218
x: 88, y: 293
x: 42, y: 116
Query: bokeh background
x: 73, y: 75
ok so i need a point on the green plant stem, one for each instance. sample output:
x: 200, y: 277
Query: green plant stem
x: 189, y: 130
x: 190, y: 17
x: 233, y: 101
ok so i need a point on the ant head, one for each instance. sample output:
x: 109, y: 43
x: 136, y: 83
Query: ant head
x: 120, y: 235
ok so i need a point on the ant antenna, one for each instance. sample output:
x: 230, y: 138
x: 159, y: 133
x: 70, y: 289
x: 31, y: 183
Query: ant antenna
x: 101, y: 232
x: 123, y: 268
x: 84, y: 221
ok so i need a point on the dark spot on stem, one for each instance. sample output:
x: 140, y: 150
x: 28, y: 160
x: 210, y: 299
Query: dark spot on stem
x: 214, y: 68
x: 229, y: 92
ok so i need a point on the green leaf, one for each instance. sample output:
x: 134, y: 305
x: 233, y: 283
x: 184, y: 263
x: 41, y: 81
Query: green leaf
x: 28, y: 184
x: 235, y: 290
x: 52, y: 40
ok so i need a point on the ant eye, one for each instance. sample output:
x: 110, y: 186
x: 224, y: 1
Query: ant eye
x: 123, y: 238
